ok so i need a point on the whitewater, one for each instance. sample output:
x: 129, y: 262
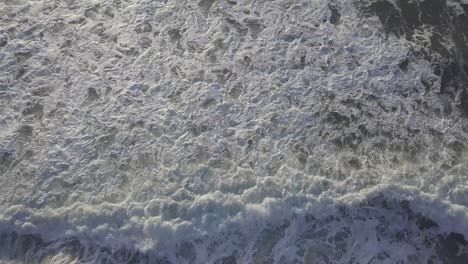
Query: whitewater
x: 234, y: 131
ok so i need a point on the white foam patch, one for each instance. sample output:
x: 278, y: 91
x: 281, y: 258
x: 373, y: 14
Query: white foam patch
x: 198, y: 131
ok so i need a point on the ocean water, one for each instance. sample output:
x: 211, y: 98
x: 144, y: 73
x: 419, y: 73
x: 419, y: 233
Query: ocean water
x: 234, y: 131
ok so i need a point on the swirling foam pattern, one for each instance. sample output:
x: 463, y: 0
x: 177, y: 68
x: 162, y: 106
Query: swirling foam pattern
x: 233, y: 131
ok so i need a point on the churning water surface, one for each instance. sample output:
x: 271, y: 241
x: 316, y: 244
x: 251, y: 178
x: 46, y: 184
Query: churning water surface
x: 234, y: 131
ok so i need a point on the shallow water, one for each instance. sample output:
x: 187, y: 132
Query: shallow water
x: 233, y: 131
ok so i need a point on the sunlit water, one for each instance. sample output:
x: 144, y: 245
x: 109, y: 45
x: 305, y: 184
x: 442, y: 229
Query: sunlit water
x: 233, y: 131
